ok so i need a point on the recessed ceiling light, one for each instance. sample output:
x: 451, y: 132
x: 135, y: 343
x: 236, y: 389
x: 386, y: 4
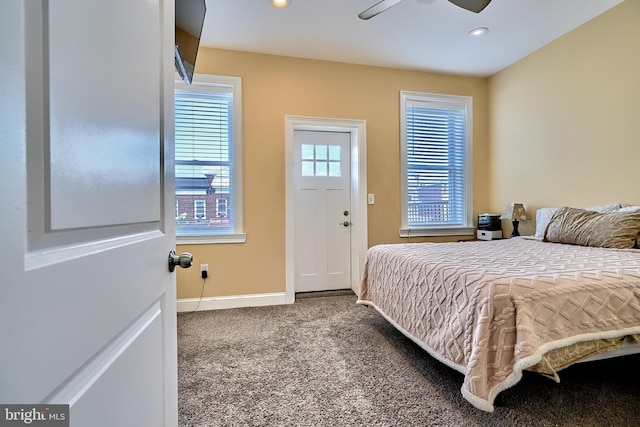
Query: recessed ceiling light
x: 280, y: 3
x: 479, y: 32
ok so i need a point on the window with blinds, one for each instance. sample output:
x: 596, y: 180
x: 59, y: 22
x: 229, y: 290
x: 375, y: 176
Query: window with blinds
x: 207, y: 145
x: 436, y: 164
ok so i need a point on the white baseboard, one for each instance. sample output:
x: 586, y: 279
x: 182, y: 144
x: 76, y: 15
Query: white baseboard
x: 234, y: 301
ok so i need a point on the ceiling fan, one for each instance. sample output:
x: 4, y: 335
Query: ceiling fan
x: 471, y: 5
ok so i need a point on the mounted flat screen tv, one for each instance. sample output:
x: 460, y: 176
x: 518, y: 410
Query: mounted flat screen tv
x: 189, y: 21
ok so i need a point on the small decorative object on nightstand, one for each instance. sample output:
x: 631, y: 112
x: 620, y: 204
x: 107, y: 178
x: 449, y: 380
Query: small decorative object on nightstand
x: 489, y: 227
x: 515, y: 212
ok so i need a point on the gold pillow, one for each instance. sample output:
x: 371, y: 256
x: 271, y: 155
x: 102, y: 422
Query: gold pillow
x: 586, y: 228
x: 633, y: 209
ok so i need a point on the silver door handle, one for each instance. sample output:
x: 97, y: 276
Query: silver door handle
x: 183, y: 260
x: 346, y: 223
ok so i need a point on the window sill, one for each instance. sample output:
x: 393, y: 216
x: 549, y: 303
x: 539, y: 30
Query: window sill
x: 211, y: 239
x: 429, y: 232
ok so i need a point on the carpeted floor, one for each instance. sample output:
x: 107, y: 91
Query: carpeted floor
x: 325, y: 361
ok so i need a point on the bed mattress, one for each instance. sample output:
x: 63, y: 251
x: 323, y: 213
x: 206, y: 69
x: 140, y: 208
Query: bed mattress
x: 492, y: 309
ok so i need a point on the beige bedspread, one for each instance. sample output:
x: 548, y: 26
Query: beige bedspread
x: 492, y: 309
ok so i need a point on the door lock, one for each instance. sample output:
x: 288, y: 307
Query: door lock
x: 183, y: 260
x: 346, y: 223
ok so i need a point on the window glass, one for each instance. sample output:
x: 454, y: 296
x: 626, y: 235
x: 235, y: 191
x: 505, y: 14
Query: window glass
x: 321, y: 168
x: 436, y: 169
x: 207, y: 157
x: 320, y: 160
x: 307, y: 152
x: 334, y: 152
x: 321, y: 152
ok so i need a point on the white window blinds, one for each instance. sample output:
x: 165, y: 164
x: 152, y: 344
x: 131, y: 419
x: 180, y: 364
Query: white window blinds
x: 206, y: 172
x: 436, y: 166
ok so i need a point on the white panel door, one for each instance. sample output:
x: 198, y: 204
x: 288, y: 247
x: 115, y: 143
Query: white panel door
x: 87, y: 304
x: 322, y: 177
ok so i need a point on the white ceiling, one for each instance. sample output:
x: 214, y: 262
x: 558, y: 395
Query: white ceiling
x: 426, y: 35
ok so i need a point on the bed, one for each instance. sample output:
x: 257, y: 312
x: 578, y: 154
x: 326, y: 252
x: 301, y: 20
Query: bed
x: 491, y: 309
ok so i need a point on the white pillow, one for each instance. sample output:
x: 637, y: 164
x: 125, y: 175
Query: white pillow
x: 543, y: 215
x: 612, y: 207
x: 629, y: 209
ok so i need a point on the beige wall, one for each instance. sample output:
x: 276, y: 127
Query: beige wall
x: 564, y: 121
x: 275, y: 86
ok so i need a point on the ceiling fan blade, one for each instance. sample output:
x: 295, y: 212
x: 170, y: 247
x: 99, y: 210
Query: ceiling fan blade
x: 378, y: 8
x: 471, y: 5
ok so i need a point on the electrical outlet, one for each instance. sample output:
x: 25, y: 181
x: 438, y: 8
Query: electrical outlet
x: 204, y: 270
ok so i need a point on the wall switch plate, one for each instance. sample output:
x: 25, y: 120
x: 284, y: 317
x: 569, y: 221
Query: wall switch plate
x: 371, y: 199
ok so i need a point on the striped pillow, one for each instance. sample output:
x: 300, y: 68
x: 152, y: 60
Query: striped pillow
x: 587, y: 228
x: 632, y: 209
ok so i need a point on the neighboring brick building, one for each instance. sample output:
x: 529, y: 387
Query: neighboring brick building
x: 199, y: 202
x: 430, y: 204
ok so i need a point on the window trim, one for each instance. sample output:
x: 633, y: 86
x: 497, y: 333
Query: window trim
x: 467, y: 228
x: 209, y: 83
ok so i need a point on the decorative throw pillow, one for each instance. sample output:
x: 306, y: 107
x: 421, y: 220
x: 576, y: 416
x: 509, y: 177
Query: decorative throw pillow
x: 543, y: 215
x: 632, y: 209
x: 587, y: 228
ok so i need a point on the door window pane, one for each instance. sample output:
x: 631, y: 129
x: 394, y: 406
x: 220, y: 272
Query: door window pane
x: 320, y: 160
x: 307, y: 152
x: 321, y: 152
x: 308, y: 168
x: 321, y: 168
x: 334, y: 169
x: 334, y: 152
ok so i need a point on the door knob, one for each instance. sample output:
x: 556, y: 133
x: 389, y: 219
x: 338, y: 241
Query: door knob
x: 346, y: 223
x: 183, y: 260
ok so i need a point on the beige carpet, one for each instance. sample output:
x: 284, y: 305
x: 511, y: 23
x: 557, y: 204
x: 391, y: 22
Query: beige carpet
x: 325, y: 361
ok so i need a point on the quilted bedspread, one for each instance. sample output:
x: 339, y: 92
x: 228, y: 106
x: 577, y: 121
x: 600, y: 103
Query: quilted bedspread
x: 491, y: 309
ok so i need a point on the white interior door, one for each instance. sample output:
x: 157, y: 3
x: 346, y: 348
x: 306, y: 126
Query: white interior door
x: 87, y: 301
x: 322, y: 179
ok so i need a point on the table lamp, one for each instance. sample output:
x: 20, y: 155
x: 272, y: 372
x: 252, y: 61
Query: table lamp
x: 515, y: 212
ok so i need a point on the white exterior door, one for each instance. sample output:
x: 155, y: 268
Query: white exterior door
x: 322, y: 179
x: 87, y: 304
